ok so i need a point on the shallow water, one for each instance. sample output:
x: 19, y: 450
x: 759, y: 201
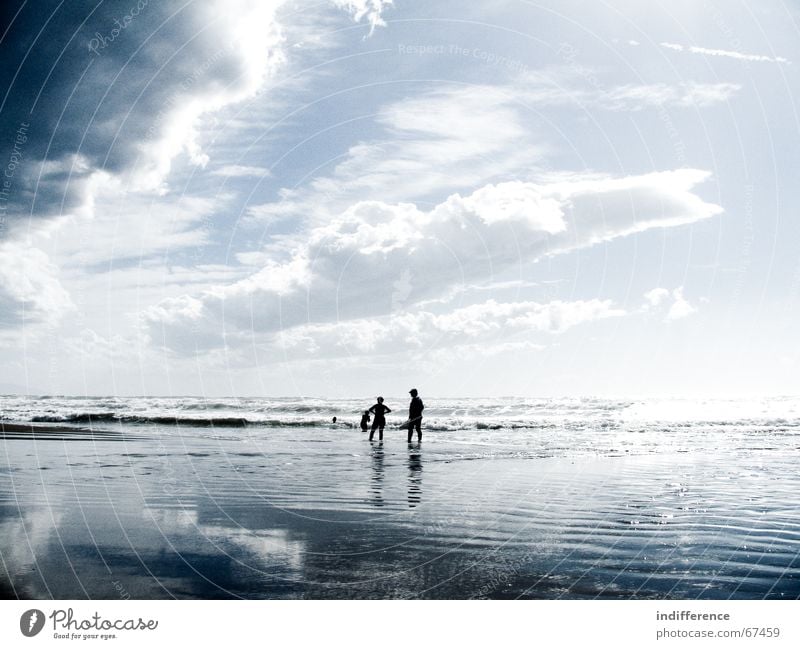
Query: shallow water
x: 584, y: 507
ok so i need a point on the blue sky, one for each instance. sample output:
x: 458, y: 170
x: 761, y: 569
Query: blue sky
x: 344, y: 197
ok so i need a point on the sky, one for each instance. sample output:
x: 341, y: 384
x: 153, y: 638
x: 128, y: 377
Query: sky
x: 348, y: 197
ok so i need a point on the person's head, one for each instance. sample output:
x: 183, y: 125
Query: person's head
x: 366, y: 412
x: 413, y: 392
x: 380, y: 399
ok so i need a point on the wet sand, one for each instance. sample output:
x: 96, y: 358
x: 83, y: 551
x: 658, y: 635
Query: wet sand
x: 304, y: 513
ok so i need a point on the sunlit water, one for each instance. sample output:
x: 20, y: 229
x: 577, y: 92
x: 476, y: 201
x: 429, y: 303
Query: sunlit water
x: 503, y: 499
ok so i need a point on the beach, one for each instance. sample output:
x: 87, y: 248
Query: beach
x: 110, y: 498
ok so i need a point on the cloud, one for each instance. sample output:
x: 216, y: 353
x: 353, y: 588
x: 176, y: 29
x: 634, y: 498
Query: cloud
x: 489, y: 321
x: 442, y: 141
x: 30, y: 291
x: 372, y: 10
x: 130, y: 227
x: 241, y: 171
x: 756, y: 58
x: 672, y: 304
x: 88, y: 344
x: 680, y: 307
x: 104, y: 101
x: 107, y: 110
x: 127, y: 109
x: 459, y: 137
x: 579, y: 87
x: 656, y: 296
x: 641, y: 97
x: 350, y: 268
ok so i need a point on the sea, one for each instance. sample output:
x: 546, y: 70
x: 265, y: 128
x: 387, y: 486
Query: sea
x: 504, y: 498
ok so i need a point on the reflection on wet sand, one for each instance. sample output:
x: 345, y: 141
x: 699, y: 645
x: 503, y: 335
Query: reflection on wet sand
x: 188, y: 515
x: 376, y: 488
x: 414, y: 474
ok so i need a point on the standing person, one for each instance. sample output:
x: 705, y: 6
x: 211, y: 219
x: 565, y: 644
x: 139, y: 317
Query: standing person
x: 415, y: 409
x: 365, y: 420
x: 379, y: 410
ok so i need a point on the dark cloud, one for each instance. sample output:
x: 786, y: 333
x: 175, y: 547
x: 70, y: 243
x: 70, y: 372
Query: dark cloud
x: 98, y: 84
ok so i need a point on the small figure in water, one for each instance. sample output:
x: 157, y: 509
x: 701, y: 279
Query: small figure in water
x: 379, y: 410
x: 365, y: 420
x: 334, y: 420
x: 415, y: 409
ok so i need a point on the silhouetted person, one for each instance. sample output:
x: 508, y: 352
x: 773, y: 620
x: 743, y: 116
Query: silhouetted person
x: 365, y: 420
x: 415, y: 409
x: 379, y: 410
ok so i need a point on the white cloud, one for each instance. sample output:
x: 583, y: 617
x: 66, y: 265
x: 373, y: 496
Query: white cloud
x: 640, y: 97
x: 128, y: 226
x: 680, y: 306
x: 241, y: 171
x: 671, y: 304
x: 252, y: 33
x: 740, y: 56
x: 460, y: 137
x: 656, y: 296
x: 90, y: 346
x: 576, y: 86
x: 275, y: 278
x: 370, y: 9
x: 30, y: 291
x: 345, y: 270
x: 489, y: 321
x: 448, y: 140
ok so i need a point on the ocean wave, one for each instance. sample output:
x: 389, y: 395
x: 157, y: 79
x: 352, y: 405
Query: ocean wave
x: 164, y: 420
x: 573, y: 415
x: 439, y: 423
x: 77, y: 418
x: 433, y: 424
x: 177, y: 420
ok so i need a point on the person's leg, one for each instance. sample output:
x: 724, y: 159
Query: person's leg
x: 380, y: 434
x: 372, y: 430
x: 418, y: 425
